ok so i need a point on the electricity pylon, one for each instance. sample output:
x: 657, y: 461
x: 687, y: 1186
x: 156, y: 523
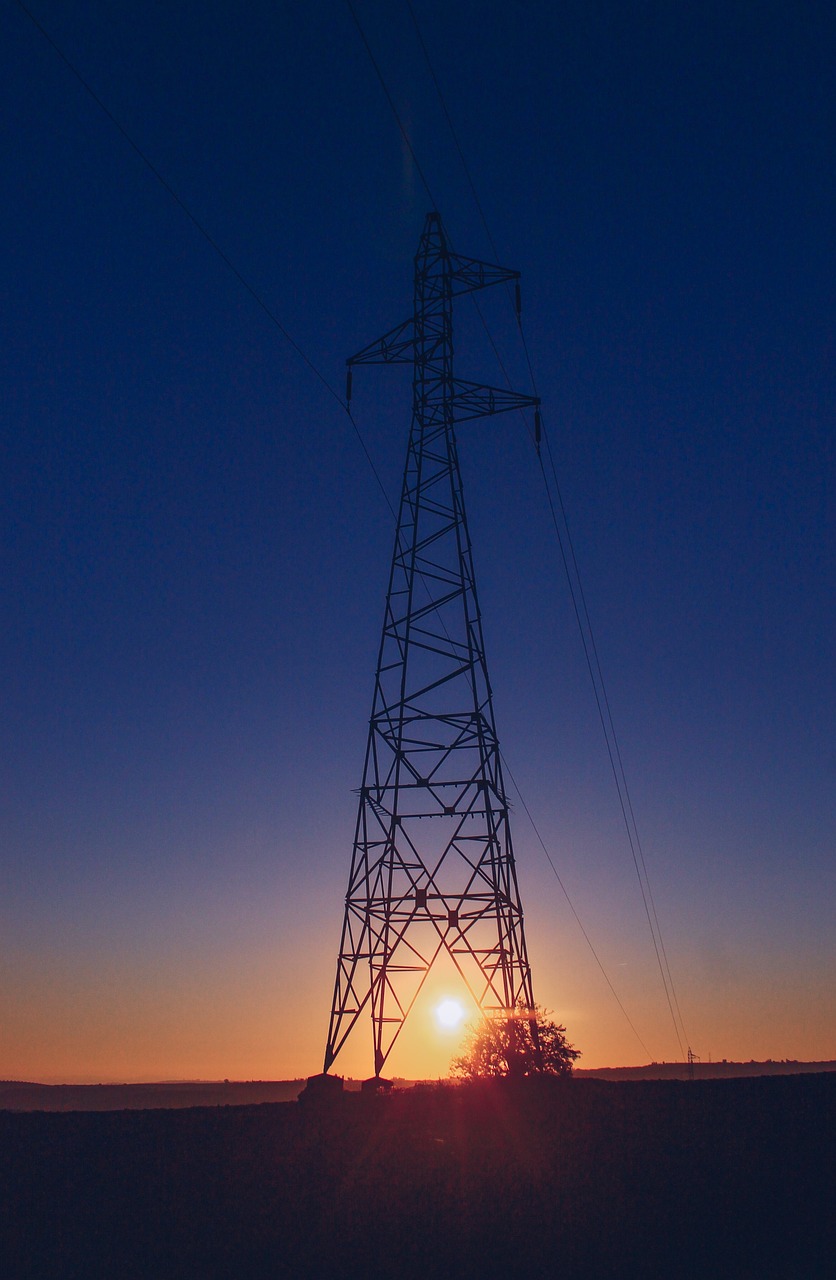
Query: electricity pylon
x: 433, y: 866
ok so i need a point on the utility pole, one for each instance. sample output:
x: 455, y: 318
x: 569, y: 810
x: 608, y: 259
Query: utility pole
x: 432, y: 868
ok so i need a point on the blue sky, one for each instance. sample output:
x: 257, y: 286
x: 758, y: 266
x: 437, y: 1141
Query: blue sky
x: 195, y: 549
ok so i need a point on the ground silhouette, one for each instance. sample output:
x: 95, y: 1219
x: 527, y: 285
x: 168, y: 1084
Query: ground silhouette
x: 569, y: 1178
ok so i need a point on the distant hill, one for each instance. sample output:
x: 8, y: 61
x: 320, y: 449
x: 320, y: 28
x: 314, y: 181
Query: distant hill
x: 705, y: 1070
x: 19, y: 1095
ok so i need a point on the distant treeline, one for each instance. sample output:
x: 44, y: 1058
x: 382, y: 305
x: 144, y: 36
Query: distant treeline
x: 18, y: 1095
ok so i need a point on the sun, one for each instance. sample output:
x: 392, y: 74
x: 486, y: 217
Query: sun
x: 449, y: 1014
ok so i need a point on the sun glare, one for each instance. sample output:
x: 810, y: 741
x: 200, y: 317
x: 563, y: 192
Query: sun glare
x: 449, y: 1014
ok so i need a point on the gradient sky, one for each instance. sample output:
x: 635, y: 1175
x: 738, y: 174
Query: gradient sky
x: 195, y: 550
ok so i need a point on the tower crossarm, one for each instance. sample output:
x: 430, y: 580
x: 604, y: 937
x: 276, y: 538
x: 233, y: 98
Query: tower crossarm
x: 467, y: 274
x: 469, y: 399
x: 477, y: 400
x: 395, y: 347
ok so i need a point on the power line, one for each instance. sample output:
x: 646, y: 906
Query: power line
x: 465, y: 166
x: 257, y: 297
x: 582, y: 613
x: 621, y: 771
x: 273, y: 317
x: 497, y: 354
x: 392, y: 107
x: 608, y: 730
x: 148, y: 162
x: 565, y: 893
x: 451, y: 127
x: 549, y: 858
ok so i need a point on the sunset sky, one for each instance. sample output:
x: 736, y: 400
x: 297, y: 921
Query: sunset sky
x: 195, y: 549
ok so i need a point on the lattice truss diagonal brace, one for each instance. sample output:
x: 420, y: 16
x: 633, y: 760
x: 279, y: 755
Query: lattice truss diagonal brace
x: 433, y: 866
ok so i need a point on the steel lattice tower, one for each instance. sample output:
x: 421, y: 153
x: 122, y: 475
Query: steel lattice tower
x: 433, y: 864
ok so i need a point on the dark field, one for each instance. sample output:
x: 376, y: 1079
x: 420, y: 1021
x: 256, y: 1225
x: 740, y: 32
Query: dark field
x: 729, y: 1178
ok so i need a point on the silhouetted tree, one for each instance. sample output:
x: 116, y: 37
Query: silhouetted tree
x: 508, y: 1047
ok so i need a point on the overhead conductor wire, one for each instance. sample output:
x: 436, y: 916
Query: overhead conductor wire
x: 473, y: 187
x: 391, y: 101
x: 581, y: 614
x: 257, y: 297
x: 274, y: 319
